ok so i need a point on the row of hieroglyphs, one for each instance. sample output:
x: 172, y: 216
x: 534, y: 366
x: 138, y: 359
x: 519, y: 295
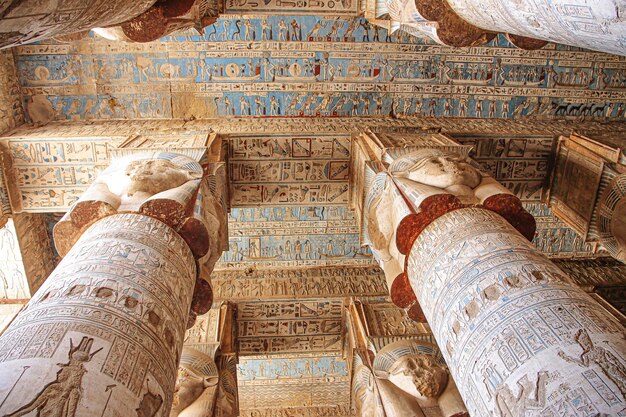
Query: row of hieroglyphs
x: 289, y: 381
x: 299, y: 283
x: 279, y: 327
x: 312, y: 66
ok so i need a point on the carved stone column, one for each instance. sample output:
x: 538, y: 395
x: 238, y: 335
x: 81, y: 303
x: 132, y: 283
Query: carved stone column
x: 23, y: 21
x: 597, y: 25
x: 104, y: 334
x: 516, y: 332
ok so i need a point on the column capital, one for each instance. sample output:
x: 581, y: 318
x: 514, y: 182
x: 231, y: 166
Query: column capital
x: 588, y: 191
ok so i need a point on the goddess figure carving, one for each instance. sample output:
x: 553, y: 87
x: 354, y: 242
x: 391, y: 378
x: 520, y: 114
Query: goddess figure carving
x: 60, y: 397
x: 408, y: 186
x: 417, y: 370
x: 196, y: 385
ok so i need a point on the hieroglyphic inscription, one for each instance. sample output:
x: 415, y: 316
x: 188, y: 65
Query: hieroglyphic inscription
x: 51, y: 174
x: 339, y: 125
x: 293, y: 237
x: 283, y: 170
x: 298, y: 283
x: 281, y: 65
x: 387, y: 320
x: 339, y: 411
x: 596, y: 26
x: 518, y: 163
x: 555, y: 238
x: 11, y: 112
x: 289, y: 327
x: 498, y: 308
x: 126, y: 286
x: 301, y: 381
x: 600, y: 272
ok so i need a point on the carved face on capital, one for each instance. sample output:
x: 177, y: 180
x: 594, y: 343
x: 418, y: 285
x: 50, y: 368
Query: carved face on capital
x: 187, y: 390
x: 143, y: 178
x: 443, y: 171
x: 421, y: 373
x: 195, y: 385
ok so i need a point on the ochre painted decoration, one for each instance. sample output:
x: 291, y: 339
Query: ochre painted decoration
x: 164, y: 18
x: 451, y: 29
x: 523, y: 42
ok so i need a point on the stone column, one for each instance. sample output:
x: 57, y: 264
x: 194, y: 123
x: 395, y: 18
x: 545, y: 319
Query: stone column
x: 24, y: 21
x: 598, y: 25
x: 518, y: 335
x: 103, y: 336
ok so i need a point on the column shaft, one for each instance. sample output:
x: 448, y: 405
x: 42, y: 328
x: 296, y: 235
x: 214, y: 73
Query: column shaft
x: 518, y: 335
x: 597, y: 24
x: 23, y: 21
x: 103, y: 335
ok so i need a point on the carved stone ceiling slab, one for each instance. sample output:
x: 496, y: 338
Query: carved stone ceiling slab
x: 290, y: 354
x: 298, y: 283
x: 313, y: 66
x: 293, y: 237
x: 289, y: 327
x: 289, y: 170
x: 293, y: 382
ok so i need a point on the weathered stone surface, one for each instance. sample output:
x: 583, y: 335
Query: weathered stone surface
x: 471, y: 249
x: 119, y: 297
x: 24, y: 21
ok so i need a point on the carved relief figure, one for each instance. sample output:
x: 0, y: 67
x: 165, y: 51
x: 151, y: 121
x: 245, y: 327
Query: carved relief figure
x: 417, y: 370
x: 159, y: 184
x: 511, y: 405
x: 406, y: 184
x: 196, y: 385
x: 592, y: 354
x: 60, y: 398
x: 428, y: 377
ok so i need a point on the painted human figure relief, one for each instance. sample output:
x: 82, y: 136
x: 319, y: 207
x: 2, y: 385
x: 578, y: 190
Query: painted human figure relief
x: 60, y: 397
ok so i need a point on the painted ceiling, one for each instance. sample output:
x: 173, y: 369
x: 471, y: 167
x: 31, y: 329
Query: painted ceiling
x: 289, y: 184
x: 314, y: 66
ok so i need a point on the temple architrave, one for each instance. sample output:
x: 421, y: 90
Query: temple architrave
x: 317, y: 208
